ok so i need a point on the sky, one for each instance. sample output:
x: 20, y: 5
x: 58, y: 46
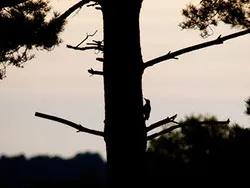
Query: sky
x: 211, y: 81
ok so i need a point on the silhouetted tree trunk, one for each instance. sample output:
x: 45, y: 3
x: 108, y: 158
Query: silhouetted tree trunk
x: 125, y: 132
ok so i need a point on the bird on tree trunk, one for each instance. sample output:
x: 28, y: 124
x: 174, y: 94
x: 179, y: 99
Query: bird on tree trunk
x: 146, y: 109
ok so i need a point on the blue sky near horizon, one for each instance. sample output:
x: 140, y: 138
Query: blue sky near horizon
x: 212, y: 81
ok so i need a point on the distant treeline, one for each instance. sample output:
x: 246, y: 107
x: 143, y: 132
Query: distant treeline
x: 84, y: 170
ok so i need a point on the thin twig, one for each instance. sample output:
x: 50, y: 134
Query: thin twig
x: 87, y: 36
x: 79, y: 127
x: 171, y: 55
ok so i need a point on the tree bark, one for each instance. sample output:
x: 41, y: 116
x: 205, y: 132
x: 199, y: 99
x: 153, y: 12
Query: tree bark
x: 125, y: 130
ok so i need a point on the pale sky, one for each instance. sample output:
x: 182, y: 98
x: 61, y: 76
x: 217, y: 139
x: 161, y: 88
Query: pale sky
x: 211, y: 81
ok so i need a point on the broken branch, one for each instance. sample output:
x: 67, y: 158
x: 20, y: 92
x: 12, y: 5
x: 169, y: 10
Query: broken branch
x: 79, y: 127
x: 91, y: 71
x: 217, y: 41
x: 100, y: 59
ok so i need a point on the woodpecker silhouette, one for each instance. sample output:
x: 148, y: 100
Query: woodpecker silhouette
x: 146, y: 109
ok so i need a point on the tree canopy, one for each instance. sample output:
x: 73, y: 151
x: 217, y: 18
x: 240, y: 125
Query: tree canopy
x: 26, y: 26
x: 10, y: 3
x: 209, y: 12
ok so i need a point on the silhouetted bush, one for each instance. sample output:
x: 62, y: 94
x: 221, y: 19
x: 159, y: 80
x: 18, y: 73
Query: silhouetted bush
x: 200, y: 150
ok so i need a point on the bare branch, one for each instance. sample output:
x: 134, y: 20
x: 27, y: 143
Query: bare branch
x: 79, y: 127
x: 150, y: 137
x: 100, y: 59
x: 96, y: 45
x: 91, y: 71
x: 161, y: 122
x: 82, y: 48
x: 171, y: 55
